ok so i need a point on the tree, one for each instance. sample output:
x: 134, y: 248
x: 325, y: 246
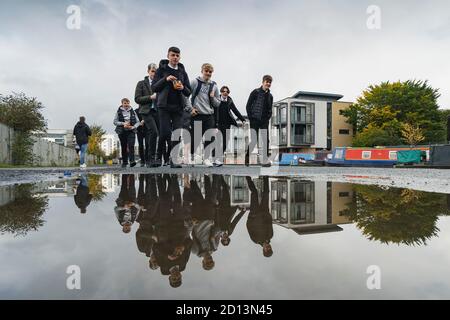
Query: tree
x: 412, y: 135
x: 389, y: 106
x: 23, y: 114
x: 373, y: 136
x: 95, y: 140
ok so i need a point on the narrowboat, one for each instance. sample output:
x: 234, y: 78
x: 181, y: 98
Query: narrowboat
x: 378, y: 156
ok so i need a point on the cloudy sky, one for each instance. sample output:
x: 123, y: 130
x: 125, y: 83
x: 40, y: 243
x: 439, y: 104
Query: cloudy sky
x: 322, y: 46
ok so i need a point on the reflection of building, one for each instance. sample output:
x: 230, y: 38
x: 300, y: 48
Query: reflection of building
x: 239, y: 191
x: 310, y: 121
x: 110, y: 182
x: 309, y: 206
x: 109, y: 144
x: 303, y: 206
x: 63, y: 137
x: 55, y: 190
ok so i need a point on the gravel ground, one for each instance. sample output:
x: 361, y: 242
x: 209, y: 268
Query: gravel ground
x: 433, y: 180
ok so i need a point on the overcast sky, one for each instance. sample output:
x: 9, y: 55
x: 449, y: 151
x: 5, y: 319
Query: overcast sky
x: 322, y: 46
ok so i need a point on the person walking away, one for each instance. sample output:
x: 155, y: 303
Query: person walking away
x: 148, y: 133
x: 224, y: 117
x: 82, y: 132
x: 259, y: 112
x: 170, y: 83
x: 126, y: 122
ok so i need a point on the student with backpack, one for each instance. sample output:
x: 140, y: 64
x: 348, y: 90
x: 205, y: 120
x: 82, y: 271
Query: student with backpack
x: 205, y: 100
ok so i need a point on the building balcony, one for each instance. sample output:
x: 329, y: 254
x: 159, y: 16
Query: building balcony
x: 301, y: 140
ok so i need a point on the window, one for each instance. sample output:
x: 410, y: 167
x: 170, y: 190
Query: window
x: 283, y: 134
x: 275, y: 115
x: 339, y: 154
x: 309, y: 113
x: 366, y: 155
x: 283, y: 113
x: 392, y: 155
x: 344, y: 131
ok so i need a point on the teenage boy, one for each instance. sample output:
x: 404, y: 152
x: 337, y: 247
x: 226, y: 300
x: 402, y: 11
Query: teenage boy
x: 259, y: 112
x: 205, y: 100
x: 170, y: 83
x: 144, y: 96
x: 126, y: 122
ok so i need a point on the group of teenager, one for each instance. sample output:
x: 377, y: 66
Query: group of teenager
x: 171, y: 108
x: 174, y: 225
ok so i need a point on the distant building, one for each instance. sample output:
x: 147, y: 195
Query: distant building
x: 310, y: 121
x: 110, y: 144
x: 63, y: 137
x: 237, y: 142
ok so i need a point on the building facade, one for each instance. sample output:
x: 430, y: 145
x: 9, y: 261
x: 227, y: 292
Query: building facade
x: 110, y: 144
x: 309, y: 121
x: 62, y: 137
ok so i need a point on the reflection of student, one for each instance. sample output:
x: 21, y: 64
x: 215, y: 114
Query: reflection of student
x: 173, y: 242
x: 259, y: 222
x: 145, y: 235
x: 205, y: 234
x: 225, y: 212
x: 83, y: 197
x: 127, y: 209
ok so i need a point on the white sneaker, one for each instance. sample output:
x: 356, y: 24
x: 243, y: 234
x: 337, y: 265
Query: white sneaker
x: 208, y: 163
x: 83, y: 166
x: 218, y: 163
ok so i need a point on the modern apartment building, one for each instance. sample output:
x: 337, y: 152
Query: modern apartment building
x: 310, y: 121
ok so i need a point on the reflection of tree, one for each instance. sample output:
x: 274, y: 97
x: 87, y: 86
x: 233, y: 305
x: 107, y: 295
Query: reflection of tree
x: 400, y: 216
x: 24, y: 213
x: 96, y: 187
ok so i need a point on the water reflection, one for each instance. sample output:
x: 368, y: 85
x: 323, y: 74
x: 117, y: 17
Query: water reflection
x: 183, y: 217
x: 21, y: 209
x: 400, y: 216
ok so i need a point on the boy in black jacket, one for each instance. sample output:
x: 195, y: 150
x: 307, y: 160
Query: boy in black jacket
x: 82, y: 132
x: 170, y: 83
x: 148, y: 134
x: 259, y: 112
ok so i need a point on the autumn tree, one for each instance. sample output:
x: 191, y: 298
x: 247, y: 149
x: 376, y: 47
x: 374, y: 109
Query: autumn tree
x: 95, y: 140
x: 387, y: 107
x: 411, y: 134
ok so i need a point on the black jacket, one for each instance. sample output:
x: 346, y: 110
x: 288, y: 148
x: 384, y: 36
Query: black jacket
x: 81, y: 131
x: 223, y: 115
x: 142, y: 96
x: 259, y: 222
x: 256, y: 111
x: 161, y: 86
x: 82, y: 198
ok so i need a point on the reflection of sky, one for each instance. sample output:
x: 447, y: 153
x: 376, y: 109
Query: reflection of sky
x: 327, y: 265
